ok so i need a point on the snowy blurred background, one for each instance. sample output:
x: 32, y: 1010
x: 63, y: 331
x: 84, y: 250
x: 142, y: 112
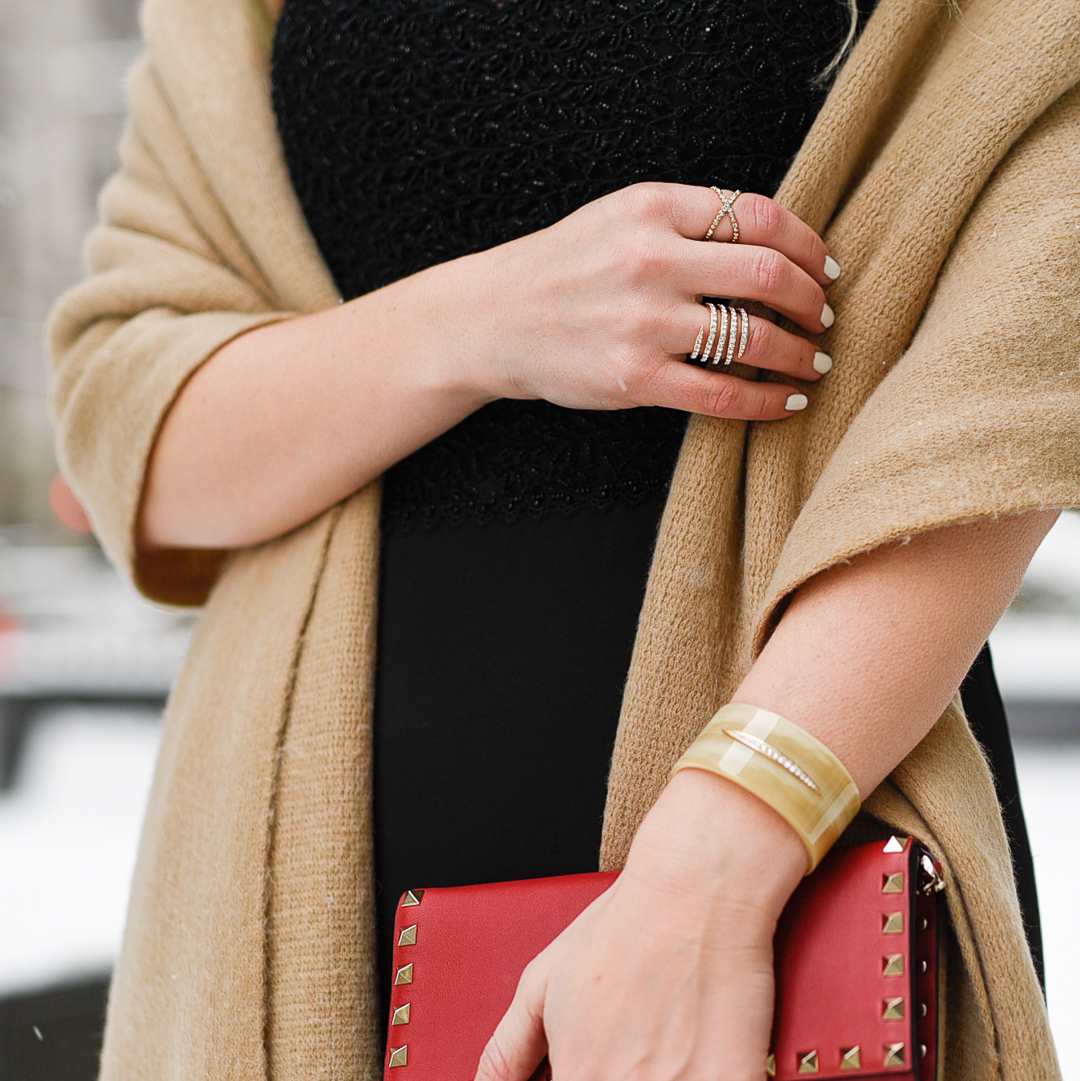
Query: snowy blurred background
x: 85, y: 663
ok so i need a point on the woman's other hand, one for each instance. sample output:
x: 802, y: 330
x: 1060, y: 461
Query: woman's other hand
x: 669, y: 974
x: 599, y: 310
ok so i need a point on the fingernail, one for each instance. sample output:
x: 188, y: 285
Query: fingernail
x: 828, y: 316
x: 796, y: 402
x: 832, y: 267
x: 822, y: 363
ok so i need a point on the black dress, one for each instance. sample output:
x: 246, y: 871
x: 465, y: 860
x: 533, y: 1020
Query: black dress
x: 515, y: 547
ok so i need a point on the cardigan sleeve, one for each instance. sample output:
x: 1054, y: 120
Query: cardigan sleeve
x: 171, y: 280
x: 978, y: 417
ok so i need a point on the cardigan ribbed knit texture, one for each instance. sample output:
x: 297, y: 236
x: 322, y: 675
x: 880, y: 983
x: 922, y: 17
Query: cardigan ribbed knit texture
x: 942, y: 172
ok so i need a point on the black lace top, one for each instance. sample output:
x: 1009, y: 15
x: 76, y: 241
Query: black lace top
x: 417, y: 131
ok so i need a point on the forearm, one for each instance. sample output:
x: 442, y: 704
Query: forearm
x: 288, y: 419
x: 869, y: 653
x: 594, y: 312
x: 866, y: 657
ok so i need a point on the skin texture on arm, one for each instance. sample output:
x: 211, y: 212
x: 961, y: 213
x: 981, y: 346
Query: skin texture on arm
x: 669, y: 974
x: 882, y: 643
x: 288, y: 419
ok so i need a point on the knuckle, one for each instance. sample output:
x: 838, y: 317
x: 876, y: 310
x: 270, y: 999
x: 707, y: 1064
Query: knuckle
x: 659, y: 322
x: 635, y: 327
x: 766, y: 215
x: 758, y: 337
x: 647, y: 200
x: 648, y: 328
x: 665, y: 322
x: 769, y: 270
x: 721, y: 399
x: 642, y: 258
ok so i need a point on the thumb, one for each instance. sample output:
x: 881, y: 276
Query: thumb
x: 519, y: 1043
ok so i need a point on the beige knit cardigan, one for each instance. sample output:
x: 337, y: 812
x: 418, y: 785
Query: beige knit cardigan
x: 943, y: 171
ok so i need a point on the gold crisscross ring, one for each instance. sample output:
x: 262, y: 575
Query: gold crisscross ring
x: 726, y: 202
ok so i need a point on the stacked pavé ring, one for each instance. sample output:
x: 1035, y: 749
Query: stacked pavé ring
x: 729, y: 343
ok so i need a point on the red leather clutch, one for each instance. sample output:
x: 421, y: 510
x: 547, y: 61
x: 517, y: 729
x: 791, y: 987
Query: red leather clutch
x: 856, y: 967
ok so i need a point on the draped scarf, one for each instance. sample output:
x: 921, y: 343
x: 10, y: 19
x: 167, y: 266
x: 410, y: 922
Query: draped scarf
x: 942, y: 172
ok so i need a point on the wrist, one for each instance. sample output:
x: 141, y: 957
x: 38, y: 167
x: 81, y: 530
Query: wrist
x: 707, y: 835
x: 467, y: 331
x: 784, y: 766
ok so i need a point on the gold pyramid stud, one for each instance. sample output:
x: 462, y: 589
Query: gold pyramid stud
x: 399, y: 1056
x: 850, y: 1058
x: 808, y: 1062
x: 892, y: 1009
x: 894, y: 844
x: 770, y: 1065
x: 894, y: 1054
x: 892, y: 923
x: 407, y: 936
x: 403, y: 974
x: 401, y: 1015
x: 893, y: 883
x: 412, y: 897
x: 892, y: 965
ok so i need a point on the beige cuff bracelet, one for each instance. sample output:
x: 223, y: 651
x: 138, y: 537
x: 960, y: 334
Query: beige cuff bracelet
x: 784, y: 766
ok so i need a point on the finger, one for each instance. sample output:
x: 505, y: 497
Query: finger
x: 753, y: 341
x: 519, y: 1043
x: 763, y: 222
x: 677, y: 385
x: 756, y: 273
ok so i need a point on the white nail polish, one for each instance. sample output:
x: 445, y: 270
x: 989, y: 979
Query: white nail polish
x: 832, y: 267
x: 796, y: 402
x: 828, y: 317
x: 822, y: 363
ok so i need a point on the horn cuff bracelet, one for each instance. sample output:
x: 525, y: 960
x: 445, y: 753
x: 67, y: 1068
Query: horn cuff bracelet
x: 785, y: 767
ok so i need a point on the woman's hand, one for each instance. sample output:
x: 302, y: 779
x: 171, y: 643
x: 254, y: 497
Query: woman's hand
x: 669, y: 973
x: 599, y: 310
